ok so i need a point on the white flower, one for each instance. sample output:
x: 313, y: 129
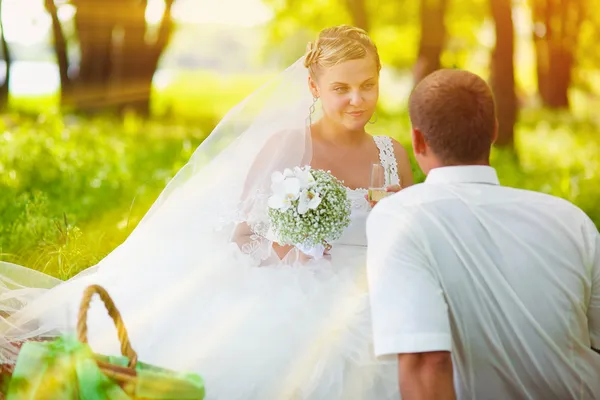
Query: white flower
x: 309, y: 200
x: 285, y: 192
x: 306, y: 178
x: 288, y: 173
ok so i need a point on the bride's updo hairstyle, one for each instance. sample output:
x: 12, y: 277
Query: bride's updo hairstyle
x: 338, y: 44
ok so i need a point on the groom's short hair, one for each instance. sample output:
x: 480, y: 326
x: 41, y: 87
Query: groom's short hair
x: 455, y: 111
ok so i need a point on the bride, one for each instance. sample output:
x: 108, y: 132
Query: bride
x: 201, y: 283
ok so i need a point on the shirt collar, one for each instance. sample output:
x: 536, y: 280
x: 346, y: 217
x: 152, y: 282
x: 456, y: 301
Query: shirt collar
x: 463, y: 174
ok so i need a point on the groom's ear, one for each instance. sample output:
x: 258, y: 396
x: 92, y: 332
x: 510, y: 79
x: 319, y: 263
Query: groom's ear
x: 495, y: 137
x: 418, y: 142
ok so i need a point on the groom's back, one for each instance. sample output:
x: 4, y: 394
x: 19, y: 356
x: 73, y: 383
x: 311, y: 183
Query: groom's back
x: 506, y: 280
x: 518, y: 273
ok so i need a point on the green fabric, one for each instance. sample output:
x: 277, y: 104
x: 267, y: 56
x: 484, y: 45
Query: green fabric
x: 66, y: 369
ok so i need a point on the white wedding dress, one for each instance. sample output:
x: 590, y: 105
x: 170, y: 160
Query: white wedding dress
x: 293, y: 332
x: 299, y: 331
x: 193, y: 298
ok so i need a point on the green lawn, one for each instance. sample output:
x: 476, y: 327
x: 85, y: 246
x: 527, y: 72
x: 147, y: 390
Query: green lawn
x: 72, y: 189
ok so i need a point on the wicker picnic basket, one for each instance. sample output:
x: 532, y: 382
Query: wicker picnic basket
x: 124, y: 375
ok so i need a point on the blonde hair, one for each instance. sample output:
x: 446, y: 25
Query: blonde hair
x: 338, y: 44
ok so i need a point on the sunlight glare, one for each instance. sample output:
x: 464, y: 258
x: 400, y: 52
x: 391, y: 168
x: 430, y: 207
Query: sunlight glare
x: 243, y: 13
x: 25, y: 21
x: 66, y: 12
x: 154, y: 11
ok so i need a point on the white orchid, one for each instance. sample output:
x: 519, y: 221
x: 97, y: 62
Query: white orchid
x: 288, y: 173
x: 285, y: 191
x: 309, y: 200
x: 305, y: 176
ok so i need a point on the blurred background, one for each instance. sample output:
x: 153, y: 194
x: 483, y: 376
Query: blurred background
x: 102, y: 101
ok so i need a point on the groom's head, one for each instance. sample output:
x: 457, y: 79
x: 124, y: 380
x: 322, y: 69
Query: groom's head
x: 453, y: 119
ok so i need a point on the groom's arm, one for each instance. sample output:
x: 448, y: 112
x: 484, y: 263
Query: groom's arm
x: 593, y: 312
x: 426, y: 376
x: 409, y: 312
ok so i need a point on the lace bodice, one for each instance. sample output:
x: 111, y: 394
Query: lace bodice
x: 355, y: 234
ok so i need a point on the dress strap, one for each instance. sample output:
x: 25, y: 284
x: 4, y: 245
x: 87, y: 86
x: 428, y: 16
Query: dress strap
x: 387, y: 158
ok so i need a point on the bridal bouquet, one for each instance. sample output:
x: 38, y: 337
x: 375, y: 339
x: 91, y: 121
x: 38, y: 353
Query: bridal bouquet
x: 308, y: 209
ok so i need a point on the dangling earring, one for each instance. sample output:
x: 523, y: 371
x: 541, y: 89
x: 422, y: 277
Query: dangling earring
x: 311, y: 109
x: 372, y: 122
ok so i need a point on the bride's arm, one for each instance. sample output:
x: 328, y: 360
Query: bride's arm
x: 243, y: 233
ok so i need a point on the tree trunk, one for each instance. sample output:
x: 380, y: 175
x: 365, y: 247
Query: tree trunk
x: 502, y: 75
x: 4, y: 89
x: 60, y: 51
x: 554, y: 67
x: 117, y: 62
x: 556, y: 33
x: 433, y: 38
x: 95, y: 24
x: 358, y: 12
x: 135, y: 60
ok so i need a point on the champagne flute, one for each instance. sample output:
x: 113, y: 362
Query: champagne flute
x: 377, y: 189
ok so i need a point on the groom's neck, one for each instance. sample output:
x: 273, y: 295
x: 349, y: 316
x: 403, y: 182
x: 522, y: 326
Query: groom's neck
x: 476, y: 163
x: 440, y: 164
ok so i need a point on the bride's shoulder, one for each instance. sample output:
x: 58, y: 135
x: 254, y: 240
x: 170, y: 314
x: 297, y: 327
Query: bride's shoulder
x: 399, y: 149
x: 404, y: 166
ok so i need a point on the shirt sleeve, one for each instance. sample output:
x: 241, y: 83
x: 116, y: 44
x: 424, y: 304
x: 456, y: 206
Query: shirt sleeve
x: 408, y: 308
x: 594, y: 308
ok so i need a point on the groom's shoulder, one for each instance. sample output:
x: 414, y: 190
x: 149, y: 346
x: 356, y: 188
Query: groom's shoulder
x: 535, y: 197
x: 548, y: 201
x: 425, y: 194
x: 418, y: 194
x: 411, y: 200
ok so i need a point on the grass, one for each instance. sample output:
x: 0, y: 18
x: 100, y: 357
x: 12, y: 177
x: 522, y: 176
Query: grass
x: 72, y: 189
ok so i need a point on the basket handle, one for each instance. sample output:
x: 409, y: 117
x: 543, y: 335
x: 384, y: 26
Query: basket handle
x: 82, y: 330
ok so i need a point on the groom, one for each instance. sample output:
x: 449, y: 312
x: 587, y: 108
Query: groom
x: 481, y: 291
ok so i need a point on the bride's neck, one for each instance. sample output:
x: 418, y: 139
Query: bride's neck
x: 336, y: 133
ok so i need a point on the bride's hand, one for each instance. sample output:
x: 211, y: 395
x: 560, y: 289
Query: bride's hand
x: 393, y: 188
x: 304, y: 258
x: 389, y: 189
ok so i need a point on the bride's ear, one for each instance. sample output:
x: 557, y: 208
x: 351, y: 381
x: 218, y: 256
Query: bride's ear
x: 312, y: 85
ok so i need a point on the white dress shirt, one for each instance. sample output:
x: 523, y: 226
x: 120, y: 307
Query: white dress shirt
x: 508, y: 280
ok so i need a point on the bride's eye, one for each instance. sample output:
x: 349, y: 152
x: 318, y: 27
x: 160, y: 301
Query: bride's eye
x: 369, y: 86
x: 339, y: 89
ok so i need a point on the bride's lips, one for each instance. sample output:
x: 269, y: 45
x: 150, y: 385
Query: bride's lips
x: 355, y: 113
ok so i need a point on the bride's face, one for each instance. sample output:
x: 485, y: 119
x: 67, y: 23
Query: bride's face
x: 349, y: 92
